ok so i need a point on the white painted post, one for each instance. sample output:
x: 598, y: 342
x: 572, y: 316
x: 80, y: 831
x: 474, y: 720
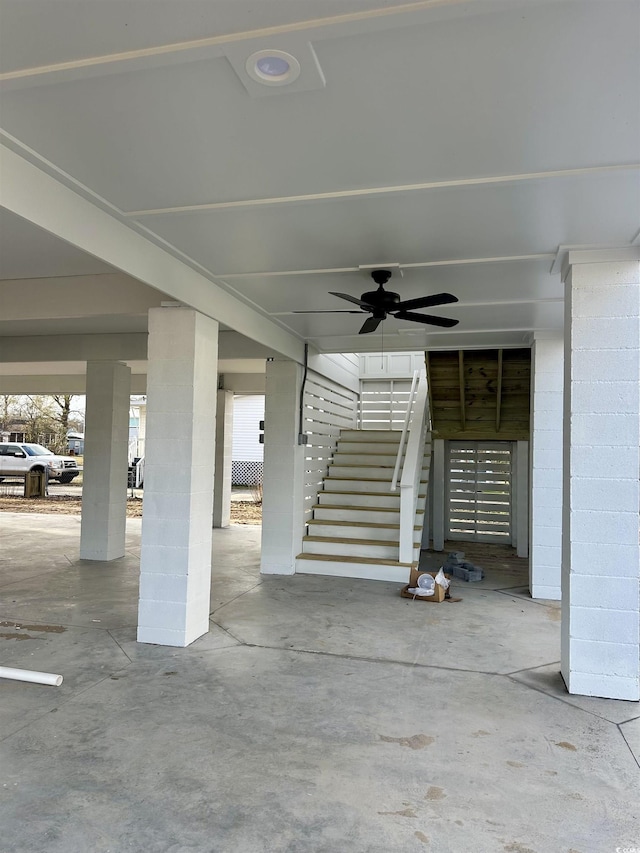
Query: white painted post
x: 224, y: 453
x: 438, y: 491
x: 283, y: 471
x: 522, y: 498
x: 104, y: 489
x: 547, y: 357
x: 175, y: 565
x: 601, y: 491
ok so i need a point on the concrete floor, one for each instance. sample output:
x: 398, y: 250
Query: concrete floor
x: 319, y: 715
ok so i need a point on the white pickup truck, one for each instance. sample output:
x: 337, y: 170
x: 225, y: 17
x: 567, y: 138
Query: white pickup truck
x: 17, y: 459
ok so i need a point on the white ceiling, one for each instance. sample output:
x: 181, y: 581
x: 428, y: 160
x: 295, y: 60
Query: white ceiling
x: 465, y: 141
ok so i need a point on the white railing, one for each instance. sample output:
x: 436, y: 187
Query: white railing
x: 405, y: 429
x: 412, y: 468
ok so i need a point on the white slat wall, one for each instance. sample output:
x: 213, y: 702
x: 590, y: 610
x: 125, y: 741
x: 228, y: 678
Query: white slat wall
x: 383, y: 403
x: 328, y: 408
x: 479, y: 493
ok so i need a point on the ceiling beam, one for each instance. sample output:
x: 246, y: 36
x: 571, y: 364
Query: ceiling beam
x: 29, y: 192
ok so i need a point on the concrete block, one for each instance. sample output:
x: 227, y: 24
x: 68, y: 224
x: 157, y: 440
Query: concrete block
x: 549, y: 592
x: 605, y: 301
x: 600, y: 624
x: 610, y: 430
x: 548, y: 536
x: 605, y: 591
x: 605, y: 397
x: 603, y: 462
x: 162, y: 614
x: 546, y: 516
x: 600, y: 494
x: 603, y: 685
x: 155, y: 558
x: 601, y: 558
x: 544, y: 496
x: 156, y: 586
x: 162, y: 637
x: 602, y: 658
x: 589, y: 526
x: 549, y: 457
x: 605, y: 364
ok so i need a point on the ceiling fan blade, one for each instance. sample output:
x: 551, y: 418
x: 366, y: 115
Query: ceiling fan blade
x: 428, y: 319
x: 370, y: 325
x: 427, y: 301
x: 338, y: 311
x: 353, y: 299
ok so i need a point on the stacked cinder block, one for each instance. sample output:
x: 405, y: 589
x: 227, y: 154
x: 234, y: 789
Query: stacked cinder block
x: 458, y: 568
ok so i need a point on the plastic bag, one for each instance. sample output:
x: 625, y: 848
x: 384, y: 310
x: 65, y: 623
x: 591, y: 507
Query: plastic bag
x: 441, y: 580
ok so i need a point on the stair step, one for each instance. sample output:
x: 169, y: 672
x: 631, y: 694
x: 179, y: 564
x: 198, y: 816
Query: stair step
x: 361, y: 568
x: 332, y: 545
x: 364, y: 530
x: 371, y: 457
x: 349, y: 512
x: 363, y: 471
x: 388, y: 435
x: 364, y: 500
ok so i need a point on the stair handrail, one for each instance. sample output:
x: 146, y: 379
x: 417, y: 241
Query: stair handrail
x: 412, y: 468
x: 405, y: 428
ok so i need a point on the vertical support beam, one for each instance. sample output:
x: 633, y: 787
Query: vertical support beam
x: 463, y: 418
x: 547, y: 360
x: 429, y: 391
x: 522, y: 498
x: 499, y: 392
x: 224, y: 452
x: 601, y: 491
x: 104, y: 491
x: 175, y: 564
x: 438, y: 492
x: 283, y: 472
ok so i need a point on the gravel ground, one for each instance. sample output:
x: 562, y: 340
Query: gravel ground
x: 68, y: 501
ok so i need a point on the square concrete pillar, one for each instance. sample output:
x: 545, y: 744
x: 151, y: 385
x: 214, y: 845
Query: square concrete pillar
x: 601, y: 494
x: 283, y: 471
x: 224, y: 454
x: 104, y: 489
x: 175, y: 564
x: 547, y: 363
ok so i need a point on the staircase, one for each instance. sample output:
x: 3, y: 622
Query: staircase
x: 355, y: 528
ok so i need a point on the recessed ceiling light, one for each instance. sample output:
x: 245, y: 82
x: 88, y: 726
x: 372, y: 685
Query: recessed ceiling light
x: 273, y: 67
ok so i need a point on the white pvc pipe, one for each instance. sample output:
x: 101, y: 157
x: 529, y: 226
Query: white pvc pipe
x: 29, y: 675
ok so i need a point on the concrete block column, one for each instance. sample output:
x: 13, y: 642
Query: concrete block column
x: 224, y: 454
x: 601, y: 491
x: 547, y: 362
x: 283, y: 471
x: 104, y: 490
x: 175, y: 564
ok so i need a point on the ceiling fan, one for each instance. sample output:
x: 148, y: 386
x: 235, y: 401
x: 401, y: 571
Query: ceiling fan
x: 380, y: 303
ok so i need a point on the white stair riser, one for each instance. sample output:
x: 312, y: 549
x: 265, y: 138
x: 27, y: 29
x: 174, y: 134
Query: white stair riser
x: 351, y: 457
x: 351, y: 514
x: 348, y: 531
x: 356, y: 485
x: 364, y: 471
x: 385, y: 447
x: 361, y: 571
x: 392, y: 436
x: 382, y: 552
x: 390, y: 501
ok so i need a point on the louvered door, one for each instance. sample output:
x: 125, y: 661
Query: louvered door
x: 479, y: 491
